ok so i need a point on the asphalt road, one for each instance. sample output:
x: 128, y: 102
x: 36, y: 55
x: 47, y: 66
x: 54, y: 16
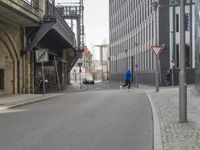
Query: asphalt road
x: 91, y: 120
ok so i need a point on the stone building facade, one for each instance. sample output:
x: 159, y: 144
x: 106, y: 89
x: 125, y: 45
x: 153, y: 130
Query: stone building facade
x: 27, y: 26
x: 15, y: 16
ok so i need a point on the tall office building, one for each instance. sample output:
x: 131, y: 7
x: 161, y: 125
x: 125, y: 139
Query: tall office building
x: 134, y: 27
x: 197, y: 4
x: 174, y: 13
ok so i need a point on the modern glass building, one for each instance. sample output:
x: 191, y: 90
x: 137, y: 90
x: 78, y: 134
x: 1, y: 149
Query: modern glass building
x: 174, y: 13
x: 197, y: 17
x: 135, y: 26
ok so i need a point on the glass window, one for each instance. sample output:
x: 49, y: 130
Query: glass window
x: 187, y: 55
x: 187, y: 22
x: 177, y: 56
x: 177, y: 22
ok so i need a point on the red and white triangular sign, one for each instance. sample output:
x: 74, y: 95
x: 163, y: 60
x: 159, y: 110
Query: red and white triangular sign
x: 156, y: 50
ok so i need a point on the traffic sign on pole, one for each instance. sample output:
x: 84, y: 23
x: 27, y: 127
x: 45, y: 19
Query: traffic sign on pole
x: 157, y: 50
x: 41, y: 55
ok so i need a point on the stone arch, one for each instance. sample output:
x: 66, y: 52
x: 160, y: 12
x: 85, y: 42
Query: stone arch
x: 12, y: 51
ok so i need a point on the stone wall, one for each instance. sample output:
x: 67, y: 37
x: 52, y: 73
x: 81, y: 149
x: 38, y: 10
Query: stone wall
x: 9, y: 50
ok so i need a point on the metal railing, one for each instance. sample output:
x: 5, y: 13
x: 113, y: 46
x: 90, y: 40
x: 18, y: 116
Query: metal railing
x: 32, y: 3
x: 63, y: 26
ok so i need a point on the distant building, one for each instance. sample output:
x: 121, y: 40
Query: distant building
x: 134, y: 28
x: 99, y: 71
x: 78, y: 73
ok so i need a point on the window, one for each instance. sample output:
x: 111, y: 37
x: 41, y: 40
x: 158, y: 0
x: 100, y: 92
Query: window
x: 187, y: 55
x: 1, y: 79
x: 177, y: 22
x: 187, y: 22
x: 177, y: 56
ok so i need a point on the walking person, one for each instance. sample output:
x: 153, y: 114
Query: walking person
x: 127, y: 79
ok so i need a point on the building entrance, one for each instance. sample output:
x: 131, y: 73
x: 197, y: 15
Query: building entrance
x: 6, y: 71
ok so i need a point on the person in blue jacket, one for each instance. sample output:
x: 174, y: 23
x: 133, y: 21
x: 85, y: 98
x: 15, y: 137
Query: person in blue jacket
x: 127, y: 79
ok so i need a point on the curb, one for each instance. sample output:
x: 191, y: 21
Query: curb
x: 156, y: 125
x: 30, y: 102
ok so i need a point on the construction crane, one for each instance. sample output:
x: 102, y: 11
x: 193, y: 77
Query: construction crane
x: 101, y: 47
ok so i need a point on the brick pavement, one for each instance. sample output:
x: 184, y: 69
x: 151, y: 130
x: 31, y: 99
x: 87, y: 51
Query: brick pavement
x: 175, y: 135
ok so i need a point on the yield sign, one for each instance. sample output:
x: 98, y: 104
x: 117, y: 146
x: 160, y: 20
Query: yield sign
x: 157, y: 49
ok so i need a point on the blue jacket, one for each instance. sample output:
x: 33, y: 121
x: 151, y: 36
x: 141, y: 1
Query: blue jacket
x: 128, y: 75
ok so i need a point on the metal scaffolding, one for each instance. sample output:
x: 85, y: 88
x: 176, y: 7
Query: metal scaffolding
x: 73, y: 10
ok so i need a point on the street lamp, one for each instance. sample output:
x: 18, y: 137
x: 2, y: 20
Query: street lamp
x: 126, y: 51
x: 116, y: 67
x: 155, y: 5
x: 173, y: 56
x: 182, y: 73
x: 136, y: 65
x: 80, y: 71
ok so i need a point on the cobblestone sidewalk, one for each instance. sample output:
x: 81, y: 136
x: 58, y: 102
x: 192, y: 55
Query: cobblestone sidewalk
x: 175, y: 135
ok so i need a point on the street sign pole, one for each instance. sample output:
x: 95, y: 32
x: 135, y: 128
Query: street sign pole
x: 80, y: 71
x: 43, y: 78
x: 41, y: 56
x: 182, y: 73
x: 136, y: 76
x: 173, y: 72
x: 157, y: 50
x: 155, y: 4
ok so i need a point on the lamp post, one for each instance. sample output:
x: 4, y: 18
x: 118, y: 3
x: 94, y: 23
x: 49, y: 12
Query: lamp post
x: 80, y: 71
x: 155, y: 4
x: 173, y: 51
x: 126, y: 51
x: 182, y: 73
x: 136, y: 67
x: 116, y: 67
x: 136, y: 76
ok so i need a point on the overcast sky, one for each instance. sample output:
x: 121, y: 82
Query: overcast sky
x: 96, y: 23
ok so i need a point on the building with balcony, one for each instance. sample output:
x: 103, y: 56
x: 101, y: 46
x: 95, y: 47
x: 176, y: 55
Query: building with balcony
x: 134, y: 27
x: 27, y: 26
x: 15, y: 16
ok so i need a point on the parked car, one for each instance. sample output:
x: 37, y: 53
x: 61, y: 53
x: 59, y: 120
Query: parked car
x: 88, y: 80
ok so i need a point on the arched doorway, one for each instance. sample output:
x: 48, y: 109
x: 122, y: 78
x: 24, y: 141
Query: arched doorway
x: 8, y: 65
